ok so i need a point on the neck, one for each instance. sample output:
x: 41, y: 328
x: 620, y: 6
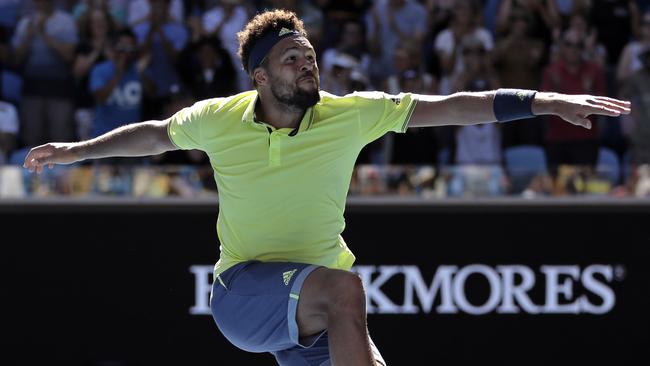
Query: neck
x: 277, y: 114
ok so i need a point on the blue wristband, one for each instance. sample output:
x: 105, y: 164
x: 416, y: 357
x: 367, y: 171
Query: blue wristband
x: 512, y: 104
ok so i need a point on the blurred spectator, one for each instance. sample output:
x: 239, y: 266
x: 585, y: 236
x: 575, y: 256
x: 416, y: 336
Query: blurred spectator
x: 630, y: 61
x: 344, y: 76
x: 10, y: 81
x: 481, y: 143
x: 180, y: 99
x: 163, y: 39
x: 118, y: 84
x: 390, y: 23
x: 44, y: 45
x: 465, y: 23
x: 8, y: 130
x: 334, y: 14
x: 224, y: 21
x: 140, y: 11
x: 9, y: 11
x: 117, y: 9
x: 440, y: 14
x: 408, y: 74
x: 311, y: 16
x: 208, y: 70
x: 417, y: 145
x: 96, y: 27
x: 545, y: 17
x: 351, y: 42
x: 593, y: 51
x: 637, y: 89
x: 615, y: 21
x: 518, y: 57
x: 570, y: 74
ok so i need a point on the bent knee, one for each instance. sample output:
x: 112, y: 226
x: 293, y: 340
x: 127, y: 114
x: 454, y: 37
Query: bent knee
x: 346, y: 294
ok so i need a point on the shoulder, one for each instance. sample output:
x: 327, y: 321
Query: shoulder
x: 358, y: 99
x: 232, y: 106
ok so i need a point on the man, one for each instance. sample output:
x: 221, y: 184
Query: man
x: 118, y: 84
x: 637, y: 88
x: 44, y: 44
x: 571, y: 74
x: 283, y: 156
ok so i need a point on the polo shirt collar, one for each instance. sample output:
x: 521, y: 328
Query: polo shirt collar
x: 249, y: 114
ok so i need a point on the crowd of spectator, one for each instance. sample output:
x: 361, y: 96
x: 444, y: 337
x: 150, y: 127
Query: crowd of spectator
x: 72, y: 70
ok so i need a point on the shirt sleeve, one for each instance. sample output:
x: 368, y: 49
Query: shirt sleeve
x: 380, y: 113
x: 184, y: 127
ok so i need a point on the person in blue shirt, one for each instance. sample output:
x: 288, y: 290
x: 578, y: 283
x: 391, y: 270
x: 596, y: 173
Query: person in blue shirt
x: 119, y: 84
x: 164, y: 39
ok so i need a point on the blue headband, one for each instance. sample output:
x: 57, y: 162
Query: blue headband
x: 264, y: 45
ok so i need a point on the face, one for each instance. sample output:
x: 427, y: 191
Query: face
x: 98, y: 23
x: 572, y: 45
x: 292, y: 73
x: 473, y: 57
x: 578, y: 23
x: 126, y: 47
x: 519, y: 23
x: 352, y: 34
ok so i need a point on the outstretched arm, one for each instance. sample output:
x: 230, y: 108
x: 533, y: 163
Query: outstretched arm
x: 465, y: 108
x: 137, y: 139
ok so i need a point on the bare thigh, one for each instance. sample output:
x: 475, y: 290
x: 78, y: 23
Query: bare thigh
x: 319, y: 291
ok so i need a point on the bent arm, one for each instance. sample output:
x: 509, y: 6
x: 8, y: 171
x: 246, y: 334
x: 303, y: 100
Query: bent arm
x: 137, y: 139
x: 467, y: 108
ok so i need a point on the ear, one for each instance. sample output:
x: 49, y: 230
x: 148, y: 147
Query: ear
x: 260, y: 76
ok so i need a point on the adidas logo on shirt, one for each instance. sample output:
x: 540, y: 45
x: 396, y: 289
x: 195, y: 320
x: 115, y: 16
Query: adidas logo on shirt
x: 286, y: 276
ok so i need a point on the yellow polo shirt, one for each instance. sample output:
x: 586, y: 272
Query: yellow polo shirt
x: 282, y: 197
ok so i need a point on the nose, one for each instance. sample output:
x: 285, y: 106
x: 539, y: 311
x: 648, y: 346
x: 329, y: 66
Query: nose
x: 307, y: 65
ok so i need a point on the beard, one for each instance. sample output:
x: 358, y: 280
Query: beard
x: 293, y: 95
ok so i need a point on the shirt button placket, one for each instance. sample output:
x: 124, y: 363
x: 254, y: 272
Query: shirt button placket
x: 274, y: 149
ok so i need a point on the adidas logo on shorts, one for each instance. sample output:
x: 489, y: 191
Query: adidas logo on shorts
x: 286, y: 276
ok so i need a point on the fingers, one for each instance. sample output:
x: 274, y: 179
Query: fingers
x: 611, y: 106
x: 620, y: 103
x: 36, y: 159
x: 602, y: 110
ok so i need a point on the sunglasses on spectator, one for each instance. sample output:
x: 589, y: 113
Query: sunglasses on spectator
x: 576, y: 45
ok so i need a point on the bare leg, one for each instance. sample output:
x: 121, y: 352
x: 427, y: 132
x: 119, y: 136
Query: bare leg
x: 335, y: 300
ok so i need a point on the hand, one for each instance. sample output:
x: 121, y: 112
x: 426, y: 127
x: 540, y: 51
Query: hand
x: 143, y: 62
x: 576, y: 108
x: 50, y: 154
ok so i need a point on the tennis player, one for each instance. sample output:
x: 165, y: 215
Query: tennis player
x: 283, y: 156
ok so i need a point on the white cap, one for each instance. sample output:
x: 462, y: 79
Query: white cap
x: 345, y: 61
